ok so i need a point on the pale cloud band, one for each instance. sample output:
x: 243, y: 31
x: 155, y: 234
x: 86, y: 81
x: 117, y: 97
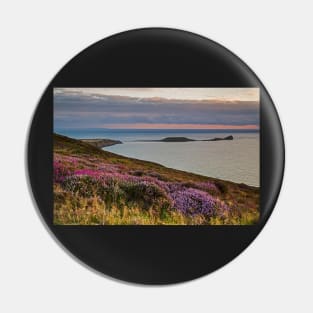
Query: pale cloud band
x: 228, y: 94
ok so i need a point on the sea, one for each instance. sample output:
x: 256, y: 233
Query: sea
x: 235, y: 160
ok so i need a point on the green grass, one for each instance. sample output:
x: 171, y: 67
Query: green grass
x: 88, y: 201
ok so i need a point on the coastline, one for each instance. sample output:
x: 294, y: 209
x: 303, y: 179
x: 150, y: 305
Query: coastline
x: 186, y: 139
x: 219, y: 166
x: 101, y: 143
x: 106, y: 142
x: 151, y: 193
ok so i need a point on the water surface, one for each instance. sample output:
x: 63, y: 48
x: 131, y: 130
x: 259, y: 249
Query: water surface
x: 235, y: 160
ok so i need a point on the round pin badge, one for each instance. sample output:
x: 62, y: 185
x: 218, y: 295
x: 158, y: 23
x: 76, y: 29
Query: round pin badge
x: 155, y: 156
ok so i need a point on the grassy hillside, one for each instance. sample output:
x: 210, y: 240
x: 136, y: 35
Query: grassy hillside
x: 96, y: 187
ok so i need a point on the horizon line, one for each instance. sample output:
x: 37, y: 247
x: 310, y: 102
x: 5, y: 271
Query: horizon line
x: 132, y: 128
x: 170, y: 126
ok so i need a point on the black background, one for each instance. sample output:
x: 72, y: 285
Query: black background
x: 154, y: 58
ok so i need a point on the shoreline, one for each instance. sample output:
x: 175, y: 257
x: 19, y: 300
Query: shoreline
x: 101, y: 143
x: 106, y: 142
x: 85, y: 178
x: 175, y: 167
x: 186, y: 139
x: 186, y: 171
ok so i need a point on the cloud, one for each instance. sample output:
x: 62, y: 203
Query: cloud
x: 76, y: 109
x: 238, y: 94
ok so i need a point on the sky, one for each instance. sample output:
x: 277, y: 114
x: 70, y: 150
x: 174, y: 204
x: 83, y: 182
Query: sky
x: 155, y: 108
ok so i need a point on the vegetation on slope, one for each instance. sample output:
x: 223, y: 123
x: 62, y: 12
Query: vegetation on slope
x: 96, y: 187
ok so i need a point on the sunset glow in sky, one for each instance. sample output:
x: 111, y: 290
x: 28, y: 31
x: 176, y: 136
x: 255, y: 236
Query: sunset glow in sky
x: 155, y: 108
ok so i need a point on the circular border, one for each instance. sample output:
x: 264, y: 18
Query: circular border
x: 134, y: 253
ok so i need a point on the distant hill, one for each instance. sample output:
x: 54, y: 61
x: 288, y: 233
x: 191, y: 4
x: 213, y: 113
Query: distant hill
x: 176, y: 139
x: 185, y: 139
x: 101, y: 143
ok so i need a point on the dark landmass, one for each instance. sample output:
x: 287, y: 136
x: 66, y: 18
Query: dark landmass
x: 176, y: 139
x: 101, y: 143
x: 218, y: 139
x: 185, y: 139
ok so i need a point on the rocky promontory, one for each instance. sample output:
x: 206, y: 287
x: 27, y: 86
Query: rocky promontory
x: 186, y: 139
x: 101, y: 143
x: 219, y: 139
